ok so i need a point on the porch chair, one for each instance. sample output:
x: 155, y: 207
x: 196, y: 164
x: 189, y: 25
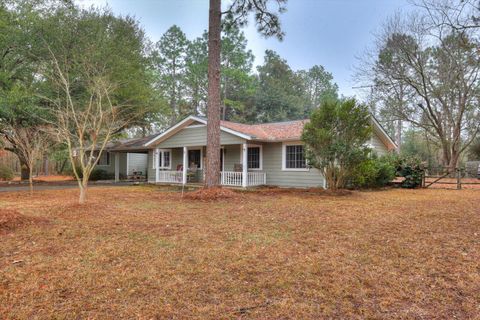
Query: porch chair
x: 192, y: 172
x: 237, y: 167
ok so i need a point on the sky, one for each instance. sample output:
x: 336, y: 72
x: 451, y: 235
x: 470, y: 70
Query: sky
x: 332, y: 33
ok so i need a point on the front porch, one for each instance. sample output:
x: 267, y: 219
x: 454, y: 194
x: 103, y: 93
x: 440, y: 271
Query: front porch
x: 227, y: 178
x: 189, y: 166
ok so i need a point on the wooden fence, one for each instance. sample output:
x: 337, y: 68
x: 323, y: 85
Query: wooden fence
x: 446, y: 178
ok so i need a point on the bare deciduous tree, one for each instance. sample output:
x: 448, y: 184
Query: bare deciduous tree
x: 30, y: 144
x: 458, y: 15
x: 434, y: 70
x: 85, y: 125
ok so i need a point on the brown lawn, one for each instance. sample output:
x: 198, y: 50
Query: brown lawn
x: 49, y: 178
x: 146, y: 253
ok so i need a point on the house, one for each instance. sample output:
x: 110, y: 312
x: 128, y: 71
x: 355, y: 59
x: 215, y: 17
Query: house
x: 125, y: 158
x: 273, y: 152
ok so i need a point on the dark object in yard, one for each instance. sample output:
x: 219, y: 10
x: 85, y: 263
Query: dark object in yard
x: 245, y: 310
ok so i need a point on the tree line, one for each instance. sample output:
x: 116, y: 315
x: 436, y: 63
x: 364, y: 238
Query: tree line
x: 275, y: 92
x: 85, y: 76
x: 423, y: 76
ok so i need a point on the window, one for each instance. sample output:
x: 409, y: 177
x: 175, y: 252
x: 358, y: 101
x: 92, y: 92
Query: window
x: 104, y: 159
x: 163, y: 161
x: 166, y: 159
x: 253, y: 157
x: 295, y: 157
x: 195, y: 158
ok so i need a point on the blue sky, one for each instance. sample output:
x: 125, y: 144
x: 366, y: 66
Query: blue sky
x: 331, y: 33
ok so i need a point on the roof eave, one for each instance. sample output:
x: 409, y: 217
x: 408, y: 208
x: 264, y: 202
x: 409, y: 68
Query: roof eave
x: 185, y: 122
x: 385, y: 134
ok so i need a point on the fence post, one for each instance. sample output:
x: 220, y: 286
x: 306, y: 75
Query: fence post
x: 459, y: 179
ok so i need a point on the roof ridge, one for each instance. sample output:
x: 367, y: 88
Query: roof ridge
x: 264, y: 123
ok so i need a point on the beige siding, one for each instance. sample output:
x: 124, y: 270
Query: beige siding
x: 111, y: 168
x: 231, y: 156
x: 196, y: 136
x: 150, y: 170
x: 177, y: 159
x: 272, y: 165
x: 137, y: 162
x: 378, y: 146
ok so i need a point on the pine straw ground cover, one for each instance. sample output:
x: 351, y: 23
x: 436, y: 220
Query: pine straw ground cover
x: 146, y: 253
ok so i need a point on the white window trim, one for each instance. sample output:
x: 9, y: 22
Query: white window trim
x: 158, y: 154
x: 284, y: 156
x: 201, y: 155
x: 108, y: 159
x: 128, y: 164
x: 223, y: 158
x: 261, y: 156
x: 154, y: 158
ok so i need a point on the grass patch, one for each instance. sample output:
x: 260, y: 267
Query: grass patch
x: 144, y: 252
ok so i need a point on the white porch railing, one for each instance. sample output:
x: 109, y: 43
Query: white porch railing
x: 256, y: 178
x: 170, y: 176
x: 230, y: 178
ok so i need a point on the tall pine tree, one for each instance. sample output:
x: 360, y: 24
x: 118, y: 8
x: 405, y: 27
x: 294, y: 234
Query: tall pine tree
x: 169, y: 58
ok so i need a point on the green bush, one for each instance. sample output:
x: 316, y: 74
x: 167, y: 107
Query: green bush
x: 412, y: 169
x: 98, y: 174
x: 374, y: 172
x: 6, y: 173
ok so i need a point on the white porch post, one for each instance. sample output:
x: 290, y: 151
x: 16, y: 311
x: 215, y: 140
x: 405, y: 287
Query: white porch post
x: 117, y: 166
x: 185, y: 165
x: 156, y: 161
x: 128, y: 165
x: 244, y: 165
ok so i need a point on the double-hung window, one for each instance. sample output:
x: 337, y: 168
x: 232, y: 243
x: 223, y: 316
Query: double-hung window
x: 163, y: 159
x: 254, y: 158
x: 294, y: 157
x: 104, y: 159
x: 195, y: 158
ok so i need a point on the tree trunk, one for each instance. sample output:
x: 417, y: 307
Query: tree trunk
x: 212, y: 174
x: 224, y: 106
x: 446, y: 156
x: 30, y: 180
x: 454, y: 156
x: 83, y: 191
x: 24, y: 169
x: 62, y: 167
x: 45, y: 165
x: 398, y: 135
